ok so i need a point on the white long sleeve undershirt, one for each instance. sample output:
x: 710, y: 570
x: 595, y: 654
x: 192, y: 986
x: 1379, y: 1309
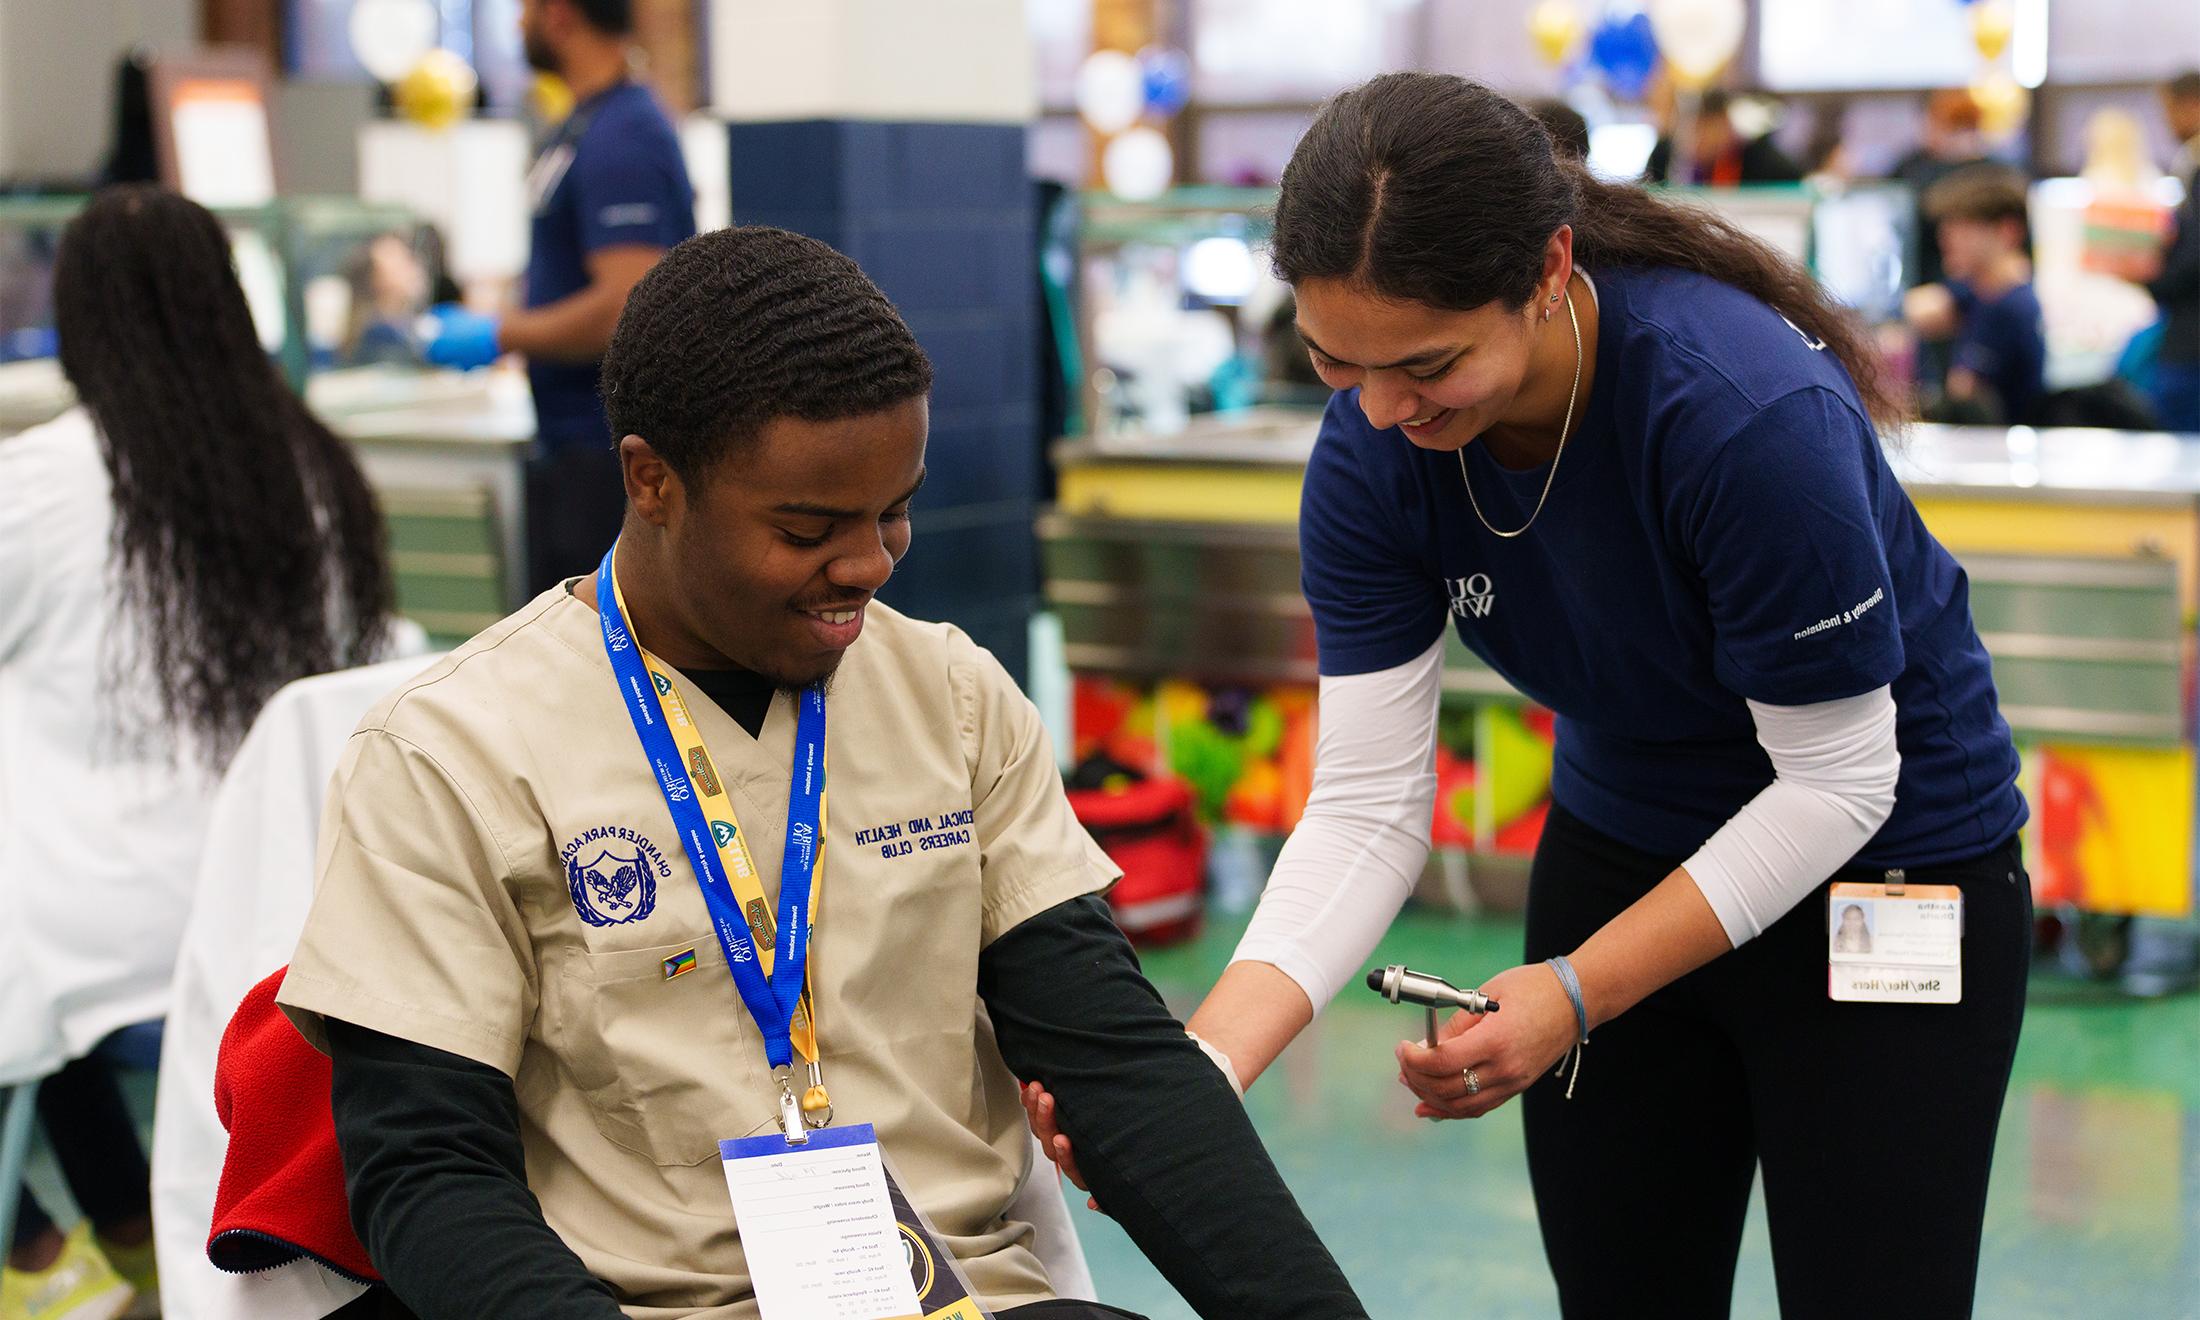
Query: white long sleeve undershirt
x: 1348, y: 867
x: 1834, y: 766
x: 1355, y: 856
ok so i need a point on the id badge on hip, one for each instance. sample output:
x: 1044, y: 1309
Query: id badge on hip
x: 1894, y: 942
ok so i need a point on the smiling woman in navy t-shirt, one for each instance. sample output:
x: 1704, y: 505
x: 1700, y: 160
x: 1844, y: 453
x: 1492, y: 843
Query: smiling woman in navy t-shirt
x: 1631, y: 456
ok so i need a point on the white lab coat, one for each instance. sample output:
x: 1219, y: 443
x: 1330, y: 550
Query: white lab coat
x: 101, y: 850
x: 255, y: 883
x: 99, y: 841
x: 97, y: 844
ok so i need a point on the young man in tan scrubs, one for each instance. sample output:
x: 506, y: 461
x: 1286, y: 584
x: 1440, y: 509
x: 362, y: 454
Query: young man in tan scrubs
x: 538, y: 1043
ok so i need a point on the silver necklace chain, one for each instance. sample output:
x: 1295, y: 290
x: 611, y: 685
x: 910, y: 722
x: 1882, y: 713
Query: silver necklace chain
x: 1565, y: 429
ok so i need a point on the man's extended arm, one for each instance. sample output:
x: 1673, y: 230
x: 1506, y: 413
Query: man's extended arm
x: 1161, y: 1137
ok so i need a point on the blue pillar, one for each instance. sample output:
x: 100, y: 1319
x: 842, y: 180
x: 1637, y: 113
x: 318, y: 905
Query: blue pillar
x: 941, y: 216
x: 895, y: 131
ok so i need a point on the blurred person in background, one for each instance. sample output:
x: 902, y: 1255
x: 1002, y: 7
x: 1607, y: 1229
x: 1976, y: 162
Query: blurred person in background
x: 2176, y: 289
x: 172, y: 550
x: 1827, y: 159
x: 393, y: 278
x: 2181, y: 106
x: 389, y: 290
x: 1949, y: 140
x: 2117, y: 161
x: 130, y: 156
x: 1568, y: 129
x: 1719, y: 154
x: 1985, y: 310
x: 611, y: 194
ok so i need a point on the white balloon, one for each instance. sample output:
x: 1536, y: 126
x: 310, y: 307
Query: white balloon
x: 390, y: 36
x: 1698, y: 37
x: 1138, y: 166
x: 1220, y: 269
x: 1111, y: 91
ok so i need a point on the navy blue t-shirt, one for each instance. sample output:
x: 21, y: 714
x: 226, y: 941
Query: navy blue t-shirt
x: 612, y: 174
x: 2001, y: 342
x: 1723, y: 527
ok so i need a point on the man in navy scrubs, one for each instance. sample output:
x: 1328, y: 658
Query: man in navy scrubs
x: 610, y: 193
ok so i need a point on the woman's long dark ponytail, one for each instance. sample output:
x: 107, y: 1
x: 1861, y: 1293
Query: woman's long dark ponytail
x: 1433, y: 189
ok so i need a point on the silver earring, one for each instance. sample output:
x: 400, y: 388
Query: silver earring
x: 1554, y: 297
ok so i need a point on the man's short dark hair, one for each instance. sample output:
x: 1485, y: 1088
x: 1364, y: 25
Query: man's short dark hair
x: 2185, y: 86
x: 1981, y: 193
x: 738, y: 326
x: 611, y: 17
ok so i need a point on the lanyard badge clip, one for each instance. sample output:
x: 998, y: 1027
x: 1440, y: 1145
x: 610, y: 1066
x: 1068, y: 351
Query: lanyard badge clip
x: 790, y: 1109
x: 817, y: 1105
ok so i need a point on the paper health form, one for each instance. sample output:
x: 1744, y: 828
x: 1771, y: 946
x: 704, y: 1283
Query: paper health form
x: 817, y: 1226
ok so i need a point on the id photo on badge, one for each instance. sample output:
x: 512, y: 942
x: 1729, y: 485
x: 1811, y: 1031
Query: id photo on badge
x: 1854, y: 923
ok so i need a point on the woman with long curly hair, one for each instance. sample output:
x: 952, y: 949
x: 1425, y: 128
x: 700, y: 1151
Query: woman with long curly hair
x: 172, y: 550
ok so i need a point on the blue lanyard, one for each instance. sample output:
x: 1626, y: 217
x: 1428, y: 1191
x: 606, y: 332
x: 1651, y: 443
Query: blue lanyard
x: 771, y: 1002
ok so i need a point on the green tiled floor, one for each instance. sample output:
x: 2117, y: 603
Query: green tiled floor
x: 2094, y: 1214
x: 2095, y: 1208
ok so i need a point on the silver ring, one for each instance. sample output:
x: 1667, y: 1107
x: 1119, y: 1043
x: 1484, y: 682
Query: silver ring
x: 1474, y: 1083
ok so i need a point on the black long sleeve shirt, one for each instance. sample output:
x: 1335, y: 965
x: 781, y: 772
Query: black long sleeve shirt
x: 439, y: 1193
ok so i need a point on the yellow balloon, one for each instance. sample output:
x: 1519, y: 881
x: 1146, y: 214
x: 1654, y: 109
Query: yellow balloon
x: 1182, y: 703
x: 1555, y: 26
x: 2002, y: 104
x: 1691, y: 80
x: 1991, y: 26
x: 438, y: 92
x: 553, y: 99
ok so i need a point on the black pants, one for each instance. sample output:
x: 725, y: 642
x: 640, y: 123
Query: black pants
x: 576, y: 499
x: 96, y: 1144
x: 1874, y: 1123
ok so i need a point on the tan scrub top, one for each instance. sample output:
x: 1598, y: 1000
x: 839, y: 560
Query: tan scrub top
x: 499, y: 877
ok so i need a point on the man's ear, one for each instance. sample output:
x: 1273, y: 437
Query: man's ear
x: 652, y: 487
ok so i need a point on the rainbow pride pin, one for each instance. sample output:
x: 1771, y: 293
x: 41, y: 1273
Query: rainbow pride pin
x: 680, y: 964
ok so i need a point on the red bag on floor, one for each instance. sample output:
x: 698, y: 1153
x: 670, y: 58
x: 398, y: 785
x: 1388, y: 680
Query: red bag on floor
x: 1149, y: 827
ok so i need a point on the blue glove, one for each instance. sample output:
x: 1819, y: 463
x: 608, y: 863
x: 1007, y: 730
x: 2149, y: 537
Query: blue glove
x: 460, y: 338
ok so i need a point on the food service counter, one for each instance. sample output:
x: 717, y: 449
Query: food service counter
x: 1173, y: 567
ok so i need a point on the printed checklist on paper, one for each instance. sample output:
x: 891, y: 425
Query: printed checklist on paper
x: 817, y: 1224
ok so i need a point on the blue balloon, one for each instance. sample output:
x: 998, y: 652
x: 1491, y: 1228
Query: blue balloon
x: 1625, y: 51
x: 1168, y: 79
